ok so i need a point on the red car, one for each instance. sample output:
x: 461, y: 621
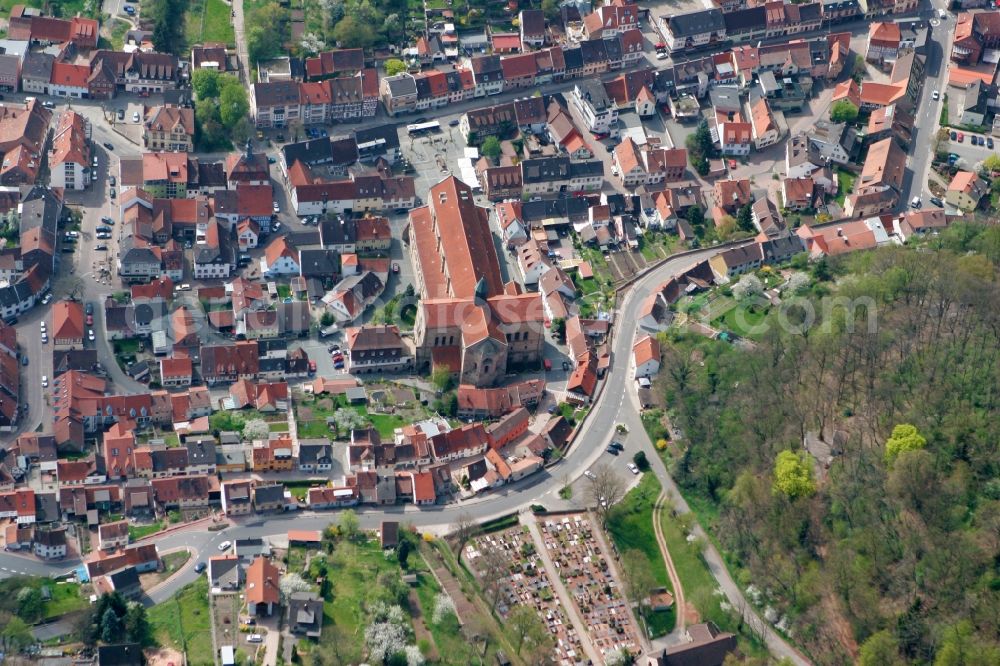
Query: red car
x: 961, y: 137
x: 312, y: 367
x: 90, y: 320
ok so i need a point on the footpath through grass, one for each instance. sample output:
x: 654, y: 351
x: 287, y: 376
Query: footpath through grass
x: 631, y: 528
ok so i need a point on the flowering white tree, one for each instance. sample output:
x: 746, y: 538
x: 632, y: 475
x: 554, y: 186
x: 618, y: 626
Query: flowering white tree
x: 291, y: 583
x: 443, y: 607
x: 256, y: 429
x: 348, y: 419
x: 797, y: 282
x: 384, y: 639
x: 413, y: 656
x: 312, y: 43
x: 748, y: 286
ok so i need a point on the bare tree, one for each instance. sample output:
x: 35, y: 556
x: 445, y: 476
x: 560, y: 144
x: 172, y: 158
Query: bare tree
x: 465, y: 528
x: 493, y: 565
x: 638, y: 572
x: 605, y: 490
x: 528, y: 630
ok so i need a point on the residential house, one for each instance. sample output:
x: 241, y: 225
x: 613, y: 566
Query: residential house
x: 880, y: 184
x: 692, y: 30
x: 646, y: 355
x: 236, y: 498
x: 69, y: 158
x: 965, y: 191
x: 376, y: 349
x: 305, y: 614
x: 113, y: 536
x: 67, y: 324
x: 269, y: 497
x: 169, y: 128
x: 262, y: 590
x: 225, y: 573
x: 49, y: 544
x: 315, y: 455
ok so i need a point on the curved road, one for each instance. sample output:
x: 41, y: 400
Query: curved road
x: 616, y: 404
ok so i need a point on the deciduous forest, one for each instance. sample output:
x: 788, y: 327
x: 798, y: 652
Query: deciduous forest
x: 880, y: 543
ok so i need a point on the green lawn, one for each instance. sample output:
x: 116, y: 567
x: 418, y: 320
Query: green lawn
x: 6, y: 5
x: 586, y: 285
x: 218, y: 26
x: 278, y: 427
x: 386, y: 424
x: 284, y: 291
x: 845, y: 185
x: 118, y: 30
x: 183, y: 623
x: 742, y: 320
x: 356, y: 566
x: 313, y: 429
x: 631, y: 527
x: 126, y: 347
x: 296, y: 559
x: 136, y: 532
x: 65, y: 599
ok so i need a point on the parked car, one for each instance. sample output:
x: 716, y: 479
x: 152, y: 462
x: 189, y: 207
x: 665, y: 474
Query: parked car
x: 45, y: 381
x: 90, y: 335
x: 632, y: 468
x: 113, y: 181
x: 961, y: 137
x: 90, y: 317
x: 395, y: 268
x: 101, y: 248
x: 121, y: 114
x: 24, y: 360
x: 276, y: 207
x: 107, y: 220
x: 112, y: 193
x: 135, y: 116
x: 953, y: 135
x: 198, y: 568
x: 89, y: 308
x: 612, y: 450
x: 936, y: 95
x: 225, y: 545
x: 989, y: 142
x: 590, y: 475
x: 937, y: 202
x: 109, y: 145
x: 453, y: 122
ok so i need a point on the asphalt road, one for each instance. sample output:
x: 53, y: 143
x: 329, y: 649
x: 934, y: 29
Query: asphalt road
x: 927, y: 110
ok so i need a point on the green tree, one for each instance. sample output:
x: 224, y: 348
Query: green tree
x: 394, y: 66
x: 268, y: 32
x: 15, y: 633
x: 403, y: 552
x: 992, y: 163
x: 696, y: 217
x: 551, y: 9
x: 441, y: 378
x: 205, y: 83
x: 327, y: 319
x: 843, y: 111
x: 233, y: 105
x: 905, y: 437
x: 168, y: 25
x: 881, y: 649
x: 961, y: 647
x: 527, y: 628
x: 30, y: 604
x: 744, y: 218
x: 793, y: 475
x: 111, y: 626
x: 136, y: 623
x: 351, y: 33
x: 559, y: 329
x: 491, y: 148
x: 348, y: 523
x: 638, y: 571
x: 392, y: 26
